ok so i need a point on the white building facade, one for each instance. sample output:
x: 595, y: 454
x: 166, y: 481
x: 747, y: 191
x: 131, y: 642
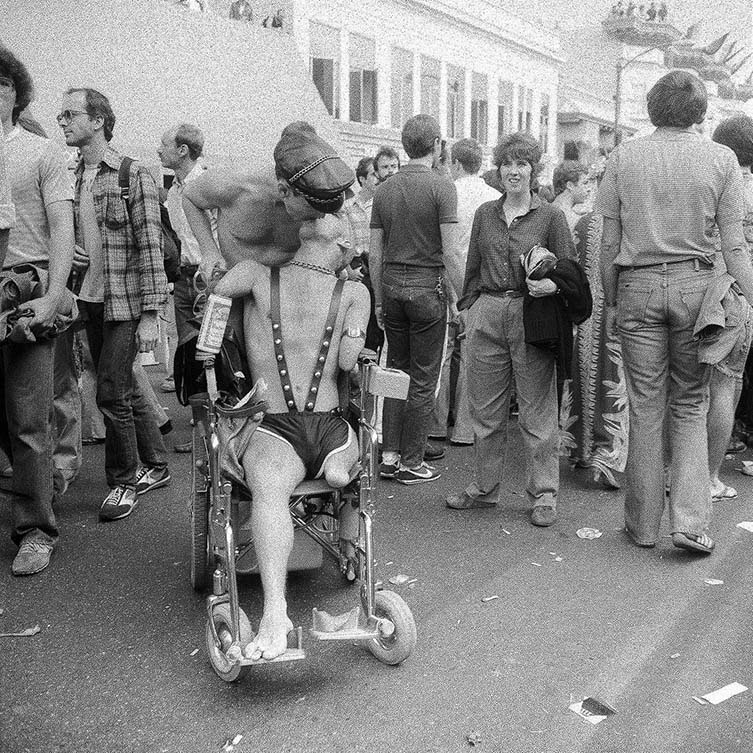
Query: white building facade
x: 481, y: 70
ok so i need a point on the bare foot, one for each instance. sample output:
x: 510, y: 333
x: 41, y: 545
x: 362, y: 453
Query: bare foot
x: 272, y: 639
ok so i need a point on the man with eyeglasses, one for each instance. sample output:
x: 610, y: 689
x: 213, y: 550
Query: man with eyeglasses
x: 42, y: 240
x: 122, y: 292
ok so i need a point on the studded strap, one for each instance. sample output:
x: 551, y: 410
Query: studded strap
x: 324, y: 344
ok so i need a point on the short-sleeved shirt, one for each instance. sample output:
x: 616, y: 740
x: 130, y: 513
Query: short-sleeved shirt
x: 668, y: 190
x: 409, y: 207
x: 39, y: 176
x: 7, y: 211
x: 495, y: 249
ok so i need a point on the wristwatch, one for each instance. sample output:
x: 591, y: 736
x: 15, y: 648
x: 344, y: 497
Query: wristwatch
x: 353, y: 332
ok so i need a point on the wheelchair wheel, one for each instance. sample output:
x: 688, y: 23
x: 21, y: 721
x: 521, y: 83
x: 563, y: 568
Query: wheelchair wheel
x: 224, y: 668
x: 200, y: 569
x: 397, y: 646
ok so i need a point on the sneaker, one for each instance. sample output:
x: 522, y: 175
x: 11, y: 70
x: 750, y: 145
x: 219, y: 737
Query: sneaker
x: 168, y: 385
x: 151, y: 478
x: 33, y: 555
x: 420, y: 475
x: 119, y: 503
x: 388, y: 470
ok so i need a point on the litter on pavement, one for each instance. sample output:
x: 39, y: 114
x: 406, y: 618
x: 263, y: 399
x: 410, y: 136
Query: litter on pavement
x: 473, y: 738
x: 717, y: 696
x: 489, y: 598
x: 24, y: 633
x: 229, y: 746
x: 588, y: 533
x: 592, y: 710
x: 713, y: 582
x: 746, y: 525
x: 399, y: 580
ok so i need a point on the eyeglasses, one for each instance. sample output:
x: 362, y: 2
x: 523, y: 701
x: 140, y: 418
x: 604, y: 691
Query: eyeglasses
x: 67, y: 115
x: 7, y: 83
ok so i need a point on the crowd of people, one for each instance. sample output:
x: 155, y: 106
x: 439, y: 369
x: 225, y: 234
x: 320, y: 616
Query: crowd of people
x: 609, y: 325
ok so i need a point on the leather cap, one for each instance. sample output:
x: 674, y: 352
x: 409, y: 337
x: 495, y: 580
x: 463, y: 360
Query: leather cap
x: 312, y: 167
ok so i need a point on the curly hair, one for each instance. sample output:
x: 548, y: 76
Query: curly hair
x: 15, y: 70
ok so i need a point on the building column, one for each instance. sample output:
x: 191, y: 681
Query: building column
x: 443, y: 97
x: 536, y: 114
x: 383, y: 55
x: 301, y: 31
x: 515, y: 106
x: 492, y: 105
x: 416, y: 83
x: 552, y: 136
x: 468, y: 97
x: 344, y: 76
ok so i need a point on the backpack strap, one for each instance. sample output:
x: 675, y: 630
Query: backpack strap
x: 124, y: 180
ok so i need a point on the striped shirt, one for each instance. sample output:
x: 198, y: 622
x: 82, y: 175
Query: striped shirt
x: 495, y: 249
x: 134, y: 274
x: 668, y: 190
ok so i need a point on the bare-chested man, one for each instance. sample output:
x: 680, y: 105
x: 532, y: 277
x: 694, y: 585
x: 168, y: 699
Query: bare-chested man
x: 251, y: 219
x: 298, y: 346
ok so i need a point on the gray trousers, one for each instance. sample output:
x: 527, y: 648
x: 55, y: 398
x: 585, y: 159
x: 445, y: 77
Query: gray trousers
x: 496, y: 355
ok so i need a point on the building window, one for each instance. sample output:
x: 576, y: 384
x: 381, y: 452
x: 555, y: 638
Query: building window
x: 479, y: 109
x: 325, y: 65
x: 504, y: 108
x: 430, y: 87
x: 363, y: 80
x: 402, y: 87
x: 455, y: 101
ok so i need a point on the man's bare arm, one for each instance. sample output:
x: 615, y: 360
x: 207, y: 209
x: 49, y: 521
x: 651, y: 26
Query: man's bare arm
x: 210, y: 191
x: 451, y: 256
x: 354, y: 326
x: 239, y: 281
x: 737, y: 257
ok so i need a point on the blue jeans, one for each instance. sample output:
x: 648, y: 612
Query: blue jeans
x: 26, y: 434
x: 414, y: 308
x: 67, y: 411
x: 131, y: 428
x: 497, y: 354
x: 667, y: 395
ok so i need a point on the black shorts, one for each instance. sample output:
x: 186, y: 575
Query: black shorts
x: 313, y: 436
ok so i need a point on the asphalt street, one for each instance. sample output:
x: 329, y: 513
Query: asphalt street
x: 120, y: 664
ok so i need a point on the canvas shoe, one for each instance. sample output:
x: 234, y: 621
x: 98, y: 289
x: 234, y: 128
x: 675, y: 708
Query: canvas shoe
x: 151, y: 478
x: 33, y: 554
x: 119, y: 503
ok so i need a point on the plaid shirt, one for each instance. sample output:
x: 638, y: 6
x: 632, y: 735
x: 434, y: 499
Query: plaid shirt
x: 131, y: 239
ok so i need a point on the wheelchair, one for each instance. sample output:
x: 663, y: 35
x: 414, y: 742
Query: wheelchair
x: 222, y: 545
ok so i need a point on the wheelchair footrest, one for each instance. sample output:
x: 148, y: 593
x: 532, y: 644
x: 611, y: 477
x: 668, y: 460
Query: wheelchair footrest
x: 294, y: 651
x: 342, y: 627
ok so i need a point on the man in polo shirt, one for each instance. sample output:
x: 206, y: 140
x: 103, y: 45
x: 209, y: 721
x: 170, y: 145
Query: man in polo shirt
x: 413, y: 218
x: 661, y: 195
x: 42, y: 236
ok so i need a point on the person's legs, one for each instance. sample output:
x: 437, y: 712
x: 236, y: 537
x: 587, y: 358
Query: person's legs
x: 724, y: 392
x: 427, y: 313
x: 489, y: 375
x: 690, y: 493
x: 67, y: 414
x: 27, y: 388
x: 114, y: 391
x: 440, y: 413
x: 536, y: 386
x: 148, y: 416
x: 462, y: 431
x: 273, y: 470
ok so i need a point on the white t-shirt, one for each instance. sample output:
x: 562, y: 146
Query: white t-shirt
x: 93, y: 286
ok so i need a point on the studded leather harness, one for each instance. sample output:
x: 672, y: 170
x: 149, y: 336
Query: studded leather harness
x: 324, y: 344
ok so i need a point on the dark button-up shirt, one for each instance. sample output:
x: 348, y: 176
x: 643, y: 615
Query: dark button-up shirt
x: 494, y: 252
x: 134, y: 272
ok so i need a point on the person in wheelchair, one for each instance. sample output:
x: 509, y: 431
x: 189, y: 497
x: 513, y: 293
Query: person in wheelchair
x: 303, y: 326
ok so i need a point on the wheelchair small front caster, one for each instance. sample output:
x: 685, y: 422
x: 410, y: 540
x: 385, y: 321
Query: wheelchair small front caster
x: 397, y: 629
x: 227, y: 668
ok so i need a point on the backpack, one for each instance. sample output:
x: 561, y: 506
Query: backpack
x: 170, y: 242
